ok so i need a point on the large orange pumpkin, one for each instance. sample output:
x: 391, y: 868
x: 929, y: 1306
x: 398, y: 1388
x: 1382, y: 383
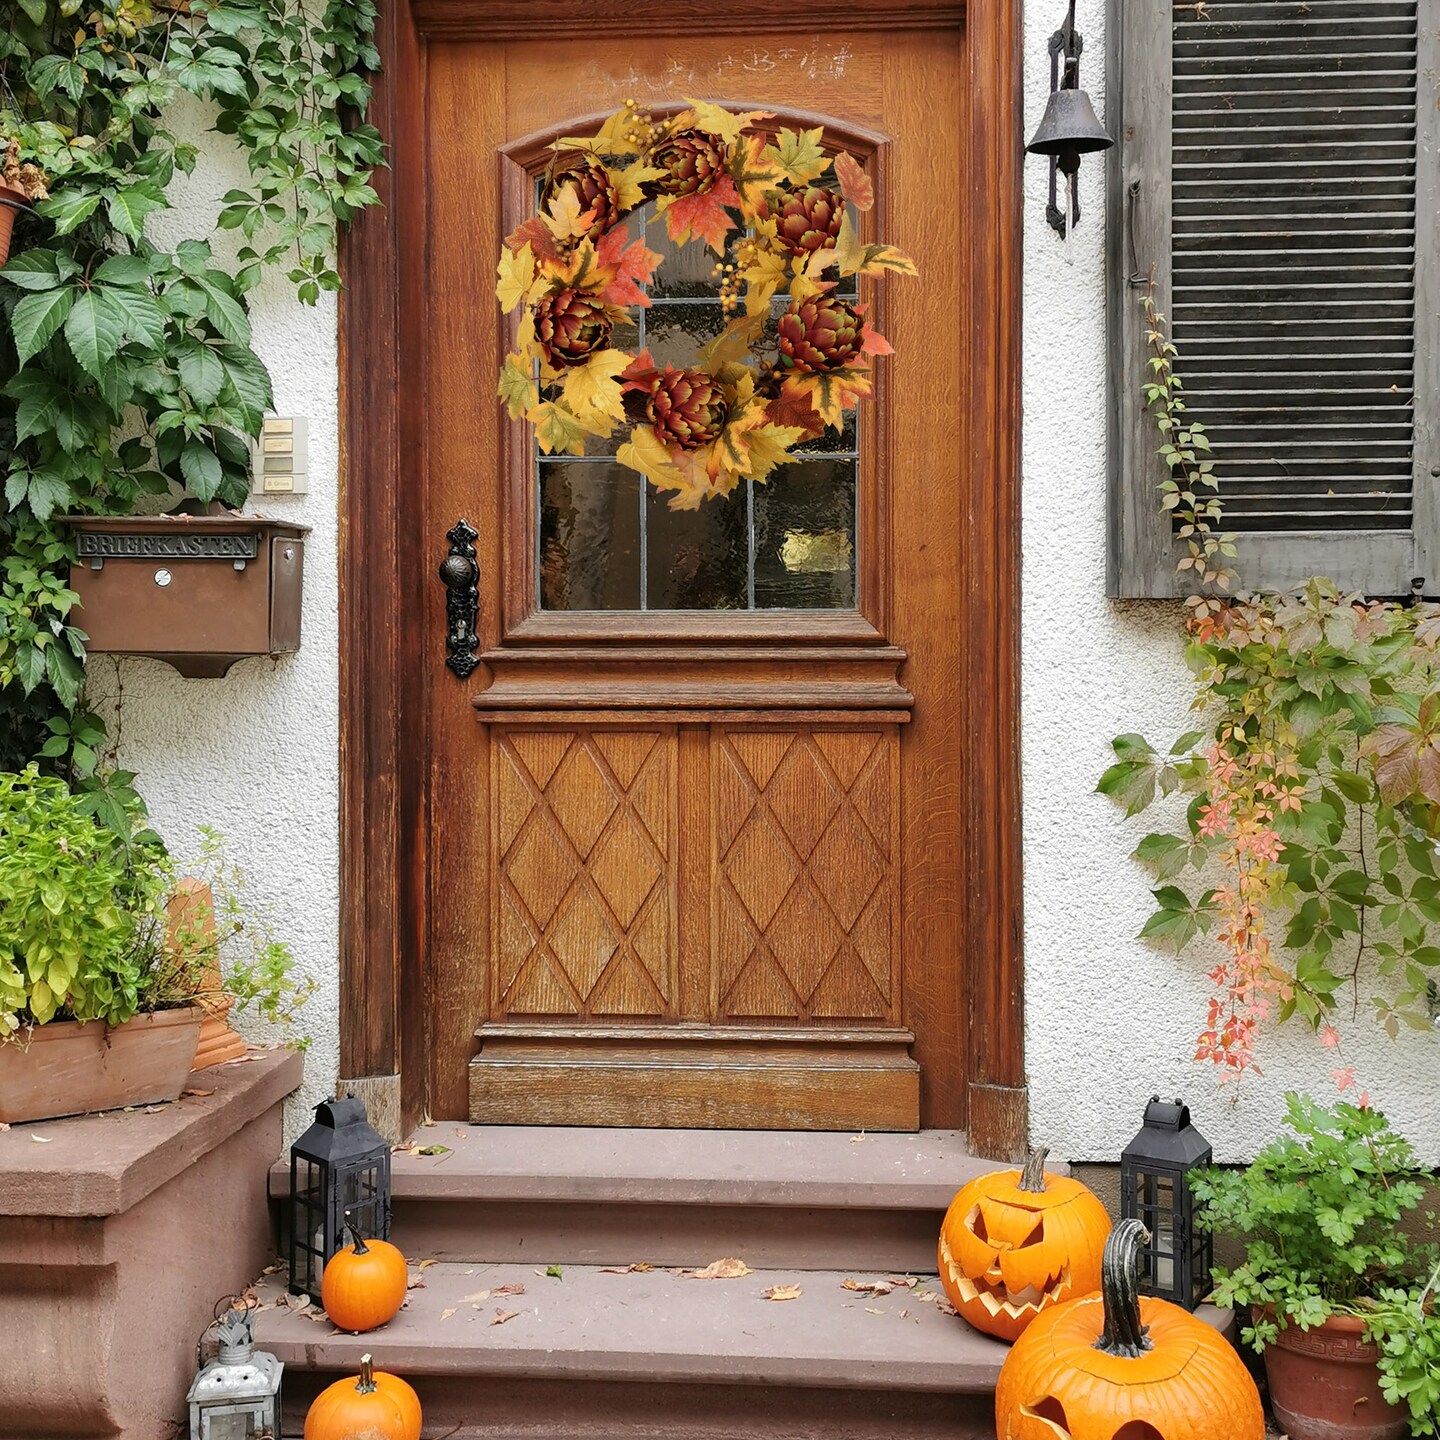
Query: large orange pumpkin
x: 1115, y: 1367
x: 364, y: 1286
x: 377, y: 1406
x: 1015, y: 1242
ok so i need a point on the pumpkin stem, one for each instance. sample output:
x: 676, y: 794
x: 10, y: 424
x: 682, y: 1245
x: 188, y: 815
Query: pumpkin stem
x: 360, y: 1246
x: 366, y: 1383
x: 1032, y: 1177
x: 1124, y: 1335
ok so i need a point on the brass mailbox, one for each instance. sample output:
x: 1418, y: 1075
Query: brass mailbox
x: 196, y: 591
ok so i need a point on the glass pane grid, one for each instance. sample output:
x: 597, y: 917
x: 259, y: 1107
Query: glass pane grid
x: 608, y: 541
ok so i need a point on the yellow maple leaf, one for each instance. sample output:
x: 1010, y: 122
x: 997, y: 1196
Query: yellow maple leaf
x: 763, y: 276
x: 799, y: 155
x: 517, y: 274
x: 733, y: 343
x: 629, y: 183
x: 754, y: 171
x: 556, y: 429
x: 517, y: 386
x: 831, y: 393
x: 610, y: 140
x: 564, y: 218
x: 580, y: 269
x: 645, y: 452
x: 767, y: 446
x: 857, y: 259
x: 716, y: 121
x: 592, y: 389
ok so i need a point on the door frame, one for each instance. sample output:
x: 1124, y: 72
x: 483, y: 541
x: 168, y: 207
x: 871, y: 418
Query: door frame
x: 388, y: 587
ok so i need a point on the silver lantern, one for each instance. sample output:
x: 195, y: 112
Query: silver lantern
x: 237, y: 1395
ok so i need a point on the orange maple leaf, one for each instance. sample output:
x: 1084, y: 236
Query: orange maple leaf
x: 632, y: 263
x: 856, y: 186
x: 703, y: 216
x: 794, y: 406
x: 536, y: 234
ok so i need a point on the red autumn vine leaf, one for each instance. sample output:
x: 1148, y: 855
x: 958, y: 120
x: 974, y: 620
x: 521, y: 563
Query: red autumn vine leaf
x: 794, y: 406
x: 874, y: 343
x: 703, y: 216
x: 856, y: 186
x: 632, y: 263
x: 537, y: 234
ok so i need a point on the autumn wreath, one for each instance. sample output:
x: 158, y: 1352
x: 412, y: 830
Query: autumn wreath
x: 757, y: 202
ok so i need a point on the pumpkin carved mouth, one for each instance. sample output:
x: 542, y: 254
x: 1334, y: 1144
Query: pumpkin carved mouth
x: 991, y: 1290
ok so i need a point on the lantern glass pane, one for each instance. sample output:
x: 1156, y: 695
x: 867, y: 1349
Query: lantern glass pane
x: 228, y: 1427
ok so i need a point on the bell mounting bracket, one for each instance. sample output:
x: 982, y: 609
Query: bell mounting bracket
x: 1067, y: 44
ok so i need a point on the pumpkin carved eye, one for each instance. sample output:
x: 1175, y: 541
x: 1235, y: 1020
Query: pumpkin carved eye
x: 1051, y: 1413
x: 1036, y: 1236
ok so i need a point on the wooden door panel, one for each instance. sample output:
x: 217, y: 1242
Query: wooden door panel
x: 584, y: 874
x: 805, y: 880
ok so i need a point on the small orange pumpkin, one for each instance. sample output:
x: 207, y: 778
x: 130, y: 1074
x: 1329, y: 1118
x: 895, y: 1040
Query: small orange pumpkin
x: 364, y: 1286
x: 1115, y: 1367
x: 373, y: 1405
x: 1015, y: 1242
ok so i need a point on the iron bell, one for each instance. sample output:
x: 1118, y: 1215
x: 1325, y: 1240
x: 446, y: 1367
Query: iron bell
x: 1069, y: 129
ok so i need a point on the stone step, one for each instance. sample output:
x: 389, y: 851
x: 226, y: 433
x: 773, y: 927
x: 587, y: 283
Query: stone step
x: 783, y: 1200
x: 621, y: 1356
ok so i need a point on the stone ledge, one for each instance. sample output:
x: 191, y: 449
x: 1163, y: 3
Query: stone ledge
x: 98, y: 1165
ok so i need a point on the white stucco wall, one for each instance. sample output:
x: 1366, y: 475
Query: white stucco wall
x: 1109, y: 1020
x: 256, y: 753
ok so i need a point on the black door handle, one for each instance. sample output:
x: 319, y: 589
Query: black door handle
x: 461, y: 572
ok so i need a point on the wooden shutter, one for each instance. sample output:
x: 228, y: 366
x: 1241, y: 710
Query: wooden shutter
x: 1277, y: 166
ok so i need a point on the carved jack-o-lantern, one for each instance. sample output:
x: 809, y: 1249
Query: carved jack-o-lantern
x: 1018, y: 1241
x: 1116, y: 1367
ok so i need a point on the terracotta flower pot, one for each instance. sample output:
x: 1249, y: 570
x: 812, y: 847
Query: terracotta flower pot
x: 1325, y: 1384
x: 72, y: 1069
x: 9, y: 198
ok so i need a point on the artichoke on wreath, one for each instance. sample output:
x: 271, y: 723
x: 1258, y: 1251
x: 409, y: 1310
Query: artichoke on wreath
x: 571, y: 326
x: 687, y: 408
x: 594, y: 188
x: 809, y: 219
x: 821, y: 334
x: 692, y: 160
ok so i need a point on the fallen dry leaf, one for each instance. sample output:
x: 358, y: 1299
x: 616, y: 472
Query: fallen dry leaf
x: 446, y: 1314
x: 858, y: 1139
x: 408, y: 1147
x: 433, y: 1150
x: 426, y: 1264
x: 501, y: 1316
x: 730, y: 1268
x: 3, y: 1126
x: 415, y: 1285
x: 42, y: 1139
x: 868, y: 1287
x: 871, y: 1310
x: 640, y: 1267
x: 482, y: 1295
x: 782, y: 1292
x: 908, y: 1282
x: 198, y: 1094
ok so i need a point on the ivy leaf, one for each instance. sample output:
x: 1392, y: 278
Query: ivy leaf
x: 249, y: 380
x: 39, y: 269
x: 128, y: 270
x: 225, y: 312
x: 143, y: 318
x: 36, y: 319
x: 69, y: 209
x: 94, y: 329
x: 30, y: 666
x: 200, y: 466
x: 201, y: 372
x: 65, y: 674
x: 47, y: 493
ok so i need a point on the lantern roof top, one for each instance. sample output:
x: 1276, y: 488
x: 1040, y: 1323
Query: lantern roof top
x: 1168, y: 1137
x: 341, y: 1132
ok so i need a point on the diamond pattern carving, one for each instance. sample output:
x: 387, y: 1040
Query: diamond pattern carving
x: 804, y: 899
x: 584, y: 877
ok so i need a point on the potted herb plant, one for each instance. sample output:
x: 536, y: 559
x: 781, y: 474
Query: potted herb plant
x: 99, y: 1009
x: 1337, y: 1289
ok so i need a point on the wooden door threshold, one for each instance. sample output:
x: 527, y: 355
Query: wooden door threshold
x: 696, y: 1077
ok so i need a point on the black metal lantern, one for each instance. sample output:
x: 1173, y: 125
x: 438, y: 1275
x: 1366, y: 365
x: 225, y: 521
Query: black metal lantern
x: 1155, y: 1189
x: 339, y: 1167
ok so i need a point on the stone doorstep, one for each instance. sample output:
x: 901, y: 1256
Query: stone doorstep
x: 794, y: 1169
x: 652, y: 1333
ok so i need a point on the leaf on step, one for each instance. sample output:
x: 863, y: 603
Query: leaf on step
x: 433, y: 1150
x: 782, y: 1292
x: 408, y: 1147
x: 42, y: 1139
x: 730, y: 1268
x: 908, y: 1282
x: 426, y: 1264
x: 198, y: 1094
x: 869, y: 1287
x: 554, y: 1272
x: 514, y: 1288
x: 446, y: 1314
x: 501, y: 1316
x: 640, y: 1267
x: 871, y: 1310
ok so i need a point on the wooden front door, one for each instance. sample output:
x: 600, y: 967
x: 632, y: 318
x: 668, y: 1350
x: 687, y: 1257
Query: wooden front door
x: 705, y: 839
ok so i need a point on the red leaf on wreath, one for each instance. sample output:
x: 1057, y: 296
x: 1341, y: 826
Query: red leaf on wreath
x: 703, y: 216
x: 537, y: 235
x: 793, y: 406
x: 638, y: 374
x: 872, y: 342
x: 856, y: 186
x: 632, y: 263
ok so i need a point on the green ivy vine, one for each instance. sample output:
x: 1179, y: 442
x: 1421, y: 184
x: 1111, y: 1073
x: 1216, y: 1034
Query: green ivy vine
x: 127, y: 366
